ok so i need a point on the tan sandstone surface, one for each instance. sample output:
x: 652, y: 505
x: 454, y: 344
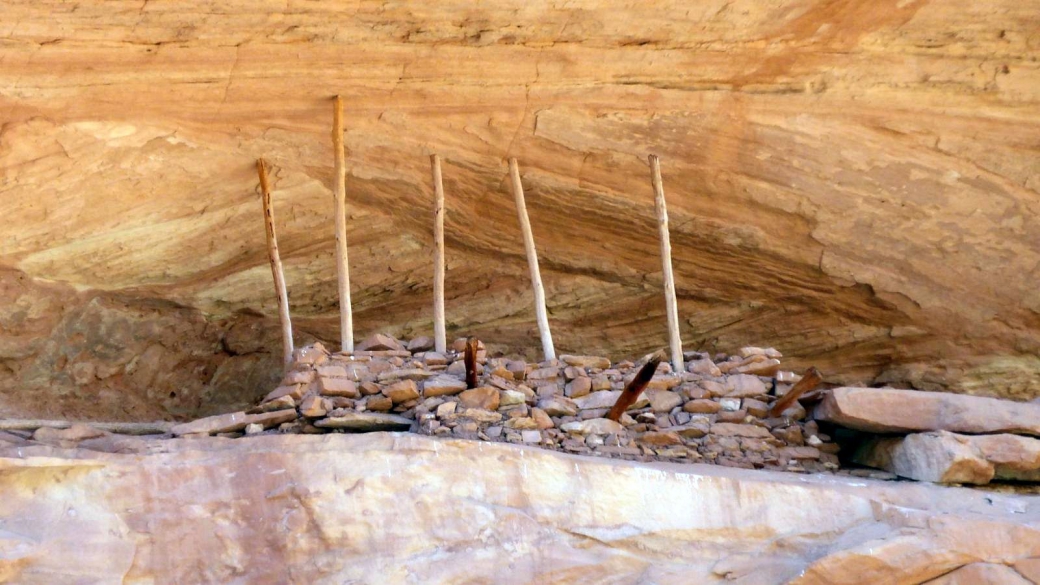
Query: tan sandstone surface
x: 855, y: 183
x: 388, y: 508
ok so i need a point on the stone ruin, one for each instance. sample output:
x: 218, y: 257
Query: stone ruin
x: 713, y: 413
x: 718, y: 411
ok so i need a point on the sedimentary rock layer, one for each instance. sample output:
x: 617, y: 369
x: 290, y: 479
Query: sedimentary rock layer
x: 855, y: 183
x: 397, y: 508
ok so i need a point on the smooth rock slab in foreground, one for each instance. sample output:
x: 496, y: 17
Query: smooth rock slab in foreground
x: 886, y: 410
x: 386, y: 508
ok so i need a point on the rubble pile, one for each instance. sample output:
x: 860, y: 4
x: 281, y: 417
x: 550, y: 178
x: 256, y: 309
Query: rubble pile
x: 716, y: 411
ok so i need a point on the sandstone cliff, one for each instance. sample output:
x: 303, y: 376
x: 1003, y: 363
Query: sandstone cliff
x: 855, y: 183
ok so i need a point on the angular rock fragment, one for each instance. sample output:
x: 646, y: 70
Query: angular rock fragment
x: 402, y: 391
x: 531, y: 436
x: 381, y: 342
x: 606, y: 399
x: 744, y: 385
x: 578, y: 387
x: 379, y: 403
x: 337, y: 387
x: 313, y: 407
x: 703, y: 366
x: 558, y: 406
x: 484, y: 397
x: 541, y: 419
x: 701, y: 406
x: 595, y: 426
x: 443, y: 386
x: 421, y: 343
x: 663, y: 400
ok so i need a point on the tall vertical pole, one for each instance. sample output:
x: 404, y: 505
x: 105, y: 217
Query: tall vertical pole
x: 532, y: 262
x: 346, y: 318
x: 440, y: 342
x: 276, y: 264
x: 666, y: 264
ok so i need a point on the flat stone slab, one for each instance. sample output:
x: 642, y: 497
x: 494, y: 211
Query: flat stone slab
x: 366, y: 422
x: 233, y: 421
x: 887, y: 410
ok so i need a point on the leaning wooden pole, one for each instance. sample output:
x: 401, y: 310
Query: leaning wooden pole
x: 440, y: 342
x: 276, y: 264
x: 671, y: 308
x: 532, y: 262
x: 346, y: 318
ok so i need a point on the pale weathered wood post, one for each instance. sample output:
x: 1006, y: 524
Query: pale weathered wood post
x: 346, y: 318
x: 532, y: 262
x: 276, y: 264
x: 440, y: 342
x: 674, y: 341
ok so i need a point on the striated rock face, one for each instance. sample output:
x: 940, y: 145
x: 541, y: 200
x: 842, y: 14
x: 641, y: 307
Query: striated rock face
x: 399, y: 508
x: 855, y: 183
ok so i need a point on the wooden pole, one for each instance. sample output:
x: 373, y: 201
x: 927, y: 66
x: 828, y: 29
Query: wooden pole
x: 674, y: 341
x: 810, y: 379
x: 346, y: 318
x: 631, y: 392
x: 276, y: 264
x: 532, y: 262
x: 440, y: 342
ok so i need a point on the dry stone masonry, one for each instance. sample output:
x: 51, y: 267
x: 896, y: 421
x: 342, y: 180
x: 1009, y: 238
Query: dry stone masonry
x: 713, y: 412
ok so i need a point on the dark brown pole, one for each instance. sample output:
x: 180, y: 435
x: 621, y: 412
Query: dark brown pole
x: 810, y: 379
x: 631, y: 392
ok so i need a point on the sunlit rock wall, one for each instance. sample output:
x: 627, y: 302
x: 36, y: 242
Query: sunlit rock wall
x: 855, y: 183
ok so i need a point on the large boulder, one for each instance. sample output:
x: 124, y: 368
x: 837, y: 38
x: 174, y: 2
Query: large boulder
x: 887, y: 410
x: 945, y: 457
x: 939, y: 457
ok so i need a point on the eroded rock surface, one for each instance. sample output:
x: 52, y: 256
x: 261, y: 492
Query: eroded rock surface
x: 398, y: 508
x: 855, y: 185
